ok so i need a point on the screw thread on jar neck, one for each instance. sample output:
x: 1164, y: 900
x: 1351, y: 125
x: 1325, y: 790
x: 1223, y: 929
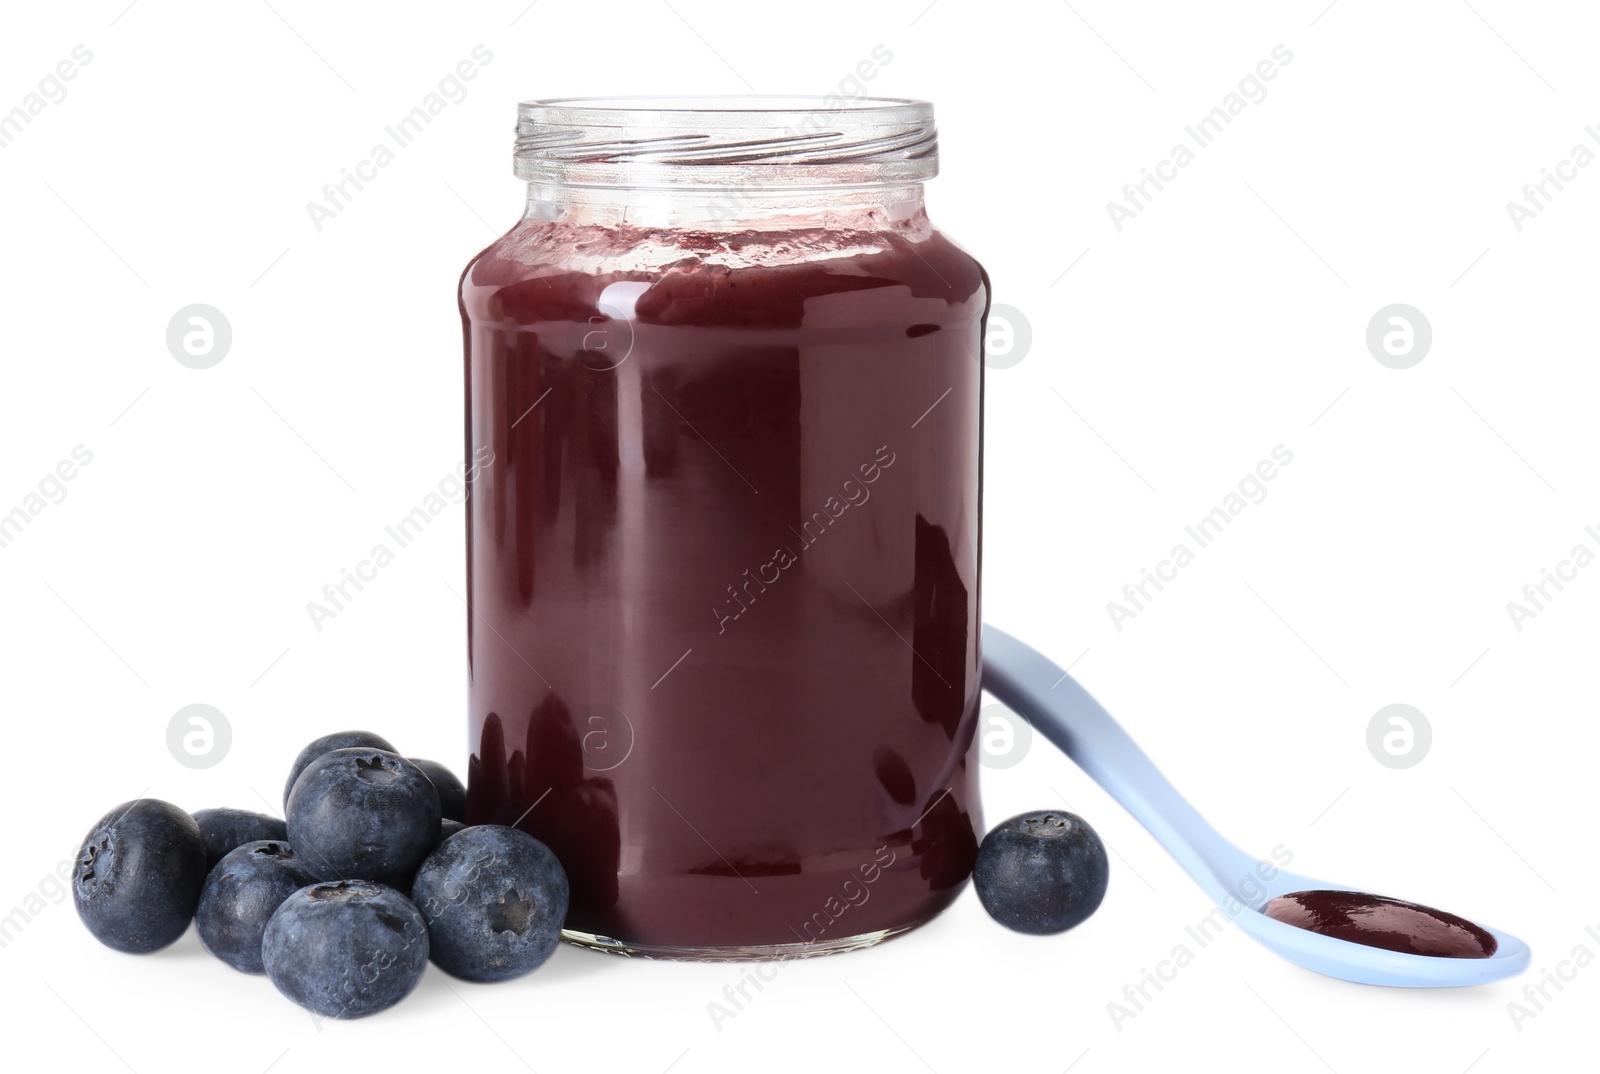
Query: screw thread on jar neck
x: 725, y: 159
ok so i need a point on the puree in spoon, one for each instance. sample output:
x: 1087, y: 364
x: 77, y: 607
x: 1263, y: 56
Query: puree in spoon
x: 1379, y: 921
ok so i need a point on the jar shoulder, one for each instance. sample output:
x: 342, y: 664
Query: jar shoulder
x: 540, y: 271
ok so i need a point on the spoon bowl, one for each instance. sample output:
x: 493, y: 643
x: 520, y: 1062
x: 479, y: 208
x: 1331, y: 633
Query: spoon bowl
x: 1063, y: 711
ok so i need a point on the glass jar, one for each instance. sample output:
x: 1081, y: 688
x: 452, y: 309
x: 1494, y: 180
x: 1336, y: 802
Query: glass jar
x: 723, y: 560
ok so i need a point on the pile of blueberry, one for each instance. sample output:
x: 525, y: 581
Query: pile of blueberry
x: 343, y: 903
x: 373, y: 874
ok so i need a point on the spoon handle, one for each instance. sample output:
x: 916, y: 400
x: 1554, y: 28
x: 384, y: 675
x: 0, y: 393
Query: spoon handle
x: 1053, y: 702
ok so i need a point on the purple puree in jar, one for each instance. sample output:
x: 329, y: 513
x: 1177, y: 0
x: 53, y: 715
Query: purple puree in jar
x: 724, y: 572
x: 1379, y: 921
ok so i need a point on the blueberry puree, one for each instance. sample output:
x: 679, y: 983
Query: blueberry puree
x: 723, y: 572
x: 1379, y: 921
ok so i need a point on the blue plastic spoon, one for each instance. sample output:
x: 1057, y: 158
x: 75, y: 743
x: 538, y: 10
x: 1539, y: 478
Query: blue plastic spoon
x: 1035, y: 688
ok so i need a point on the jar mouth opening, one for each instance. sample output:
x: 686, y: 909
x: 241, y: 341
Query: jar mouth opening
x: 726, y: 140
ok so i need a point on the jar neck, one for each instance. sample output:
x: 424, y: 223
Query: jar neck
x: 726, y: 208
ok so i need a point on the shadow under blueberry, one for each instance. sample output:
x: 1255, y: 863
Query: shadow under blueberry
x: 566, y: 963
x: 188, y: 948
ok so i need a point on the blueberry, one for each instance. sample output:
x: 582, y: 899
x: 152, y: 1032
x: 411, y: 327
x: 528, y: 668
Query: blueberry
x: 363, y: 814
x: 1041, y: 873
x: 240, y: 895
x: 327, y: 744
x: 138, y: 875
x: 448, y: 827
x: 345, y: 949
x: 223, y: 829
x: 494, y: 898
x: 452, y: 795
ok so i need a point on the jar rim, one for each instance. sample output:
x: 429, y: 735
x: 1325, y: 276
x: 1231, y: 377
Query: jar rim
x: 732, y: 108
x: 726, y: 140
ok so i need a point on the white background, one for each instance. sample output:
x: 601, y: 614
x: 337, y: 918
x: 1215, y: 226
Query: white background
x: 1226, y: 318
